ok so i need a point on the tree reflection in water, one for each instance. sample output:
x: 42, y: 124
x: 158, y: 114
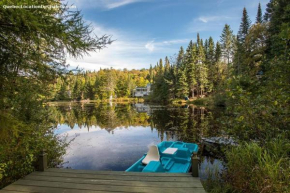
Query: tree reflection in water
x: 143, y: 124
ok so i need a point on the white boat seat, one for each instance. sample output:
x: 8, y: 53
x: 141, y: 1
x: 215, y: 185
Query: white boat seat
x: 152, y: 155
x: 170, y: 150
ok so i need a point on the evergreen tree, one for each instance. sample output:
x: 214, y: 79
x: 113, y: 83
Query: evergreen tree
x: 167, y: 65
x: 269, y: 10
x: 62, y: 94
x: 211, y: 50
x: 227, y: 44
x: 206, y: 50
x: 259, y: 18
x: 218, y: 52
x: 180, y: 58
x: 211, y: 65
x: 181, y: 85
x: 201, y: 69
x: 151, y: 74
x: 200, y: 54
x: 278, y: 15
x: 171, y: 81
x: 160, y: 70
x: 240, y: 54
x: 244, y: 27
x: 203, y: 78
x: 76, y: 94
x: 191, y: 71
x: 197, y: 39
x: 188, y: 52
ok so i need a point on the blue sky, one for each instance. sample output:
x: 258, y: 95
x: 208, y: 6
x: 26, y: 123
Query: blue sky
x: 147, y: 30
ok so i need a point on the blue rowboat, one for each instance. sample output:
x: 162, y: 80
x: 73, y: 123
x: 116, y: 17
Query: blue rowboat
x: 167, y: 156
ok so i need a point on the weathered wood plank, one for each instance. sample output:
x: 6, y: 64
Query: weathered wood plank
x: 19, y: 188
x: 194, y: 184
x: 117, y: 177
x: 89, y: 187
x: 118, y: 173
x: 82, y: 181
x: 11, y: 191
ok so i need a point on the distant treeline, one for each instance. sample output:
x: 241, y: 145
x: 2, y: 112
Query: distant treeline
x: 99, y: 85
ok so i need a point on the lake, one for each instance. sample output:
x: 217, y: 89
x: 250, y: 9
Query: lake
x: 113, y: 136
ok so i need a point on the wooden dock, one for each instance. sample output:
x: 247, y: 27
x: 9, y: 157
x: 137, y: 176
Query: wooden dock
x: 85, y: 181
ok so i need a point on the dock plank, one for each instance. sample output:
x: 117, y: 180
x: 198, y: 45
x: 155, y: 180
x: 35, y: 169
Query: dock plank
x: 195, y: 182
x: 117, y: 173
x: 83, y: 181
x: 92, y: 187
x: 117, y: 177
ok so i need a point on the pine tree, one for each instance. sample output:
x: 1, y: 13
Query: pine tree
x: 191, y: 71
x: 269, y: 10
x: 227, y: 43
x: 278, y: 16
x: 198, y: 39
x: 259, y: 18
x: 211, y: 65
x: 188, y: 52
x: 203, y: 78
x: 76, y: 94
x: 181, y: 86
x: 160, y: 70
x: 210, y: 52
x: 62, y: 94
x: 200, y: 54
x: 151, y: 74
x: 206, y: 50
x: 167, y: 65
x: 201, y: 68
x: 180, y: 58
x: 218, y: 52
x: 244, y: 27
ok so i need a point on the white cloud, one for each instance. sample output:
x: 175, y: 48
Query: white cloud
x: 205, y: 19
x: 111, y: 4
x: 106, y: 4
x: 207, y: 23
x: 177, y: 41
x: 150, y: 46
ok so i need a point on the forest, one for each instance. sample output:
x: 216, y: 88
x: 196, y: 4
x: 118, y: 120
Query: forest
x: 247, y: 74
x: 98, y: 85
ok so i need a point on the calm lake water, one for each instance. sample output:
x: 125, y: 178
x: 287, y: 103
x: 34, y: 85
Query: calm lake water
x: 113, y: 136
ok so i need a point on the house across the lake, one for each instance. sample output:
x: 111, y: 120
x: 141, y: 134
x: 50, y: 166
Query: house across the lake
x: 142, y: 91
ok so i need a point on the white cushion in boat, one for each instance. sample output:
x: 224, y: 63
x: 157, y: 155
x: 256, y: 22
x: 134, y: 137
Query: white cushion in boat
x: 170, y: 150
x: 152, y: 155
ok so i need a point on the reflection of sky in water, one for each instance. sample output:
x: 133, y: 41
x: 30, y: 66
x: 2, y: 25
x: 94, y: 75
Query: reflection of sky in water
x: 94, y: 148
x: 97, y: 149
x: 209, y: 163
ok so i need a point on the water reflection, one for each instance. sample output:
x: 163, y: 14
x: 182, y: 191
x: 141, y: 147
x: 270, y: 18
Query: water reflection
x: 114, y: 136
